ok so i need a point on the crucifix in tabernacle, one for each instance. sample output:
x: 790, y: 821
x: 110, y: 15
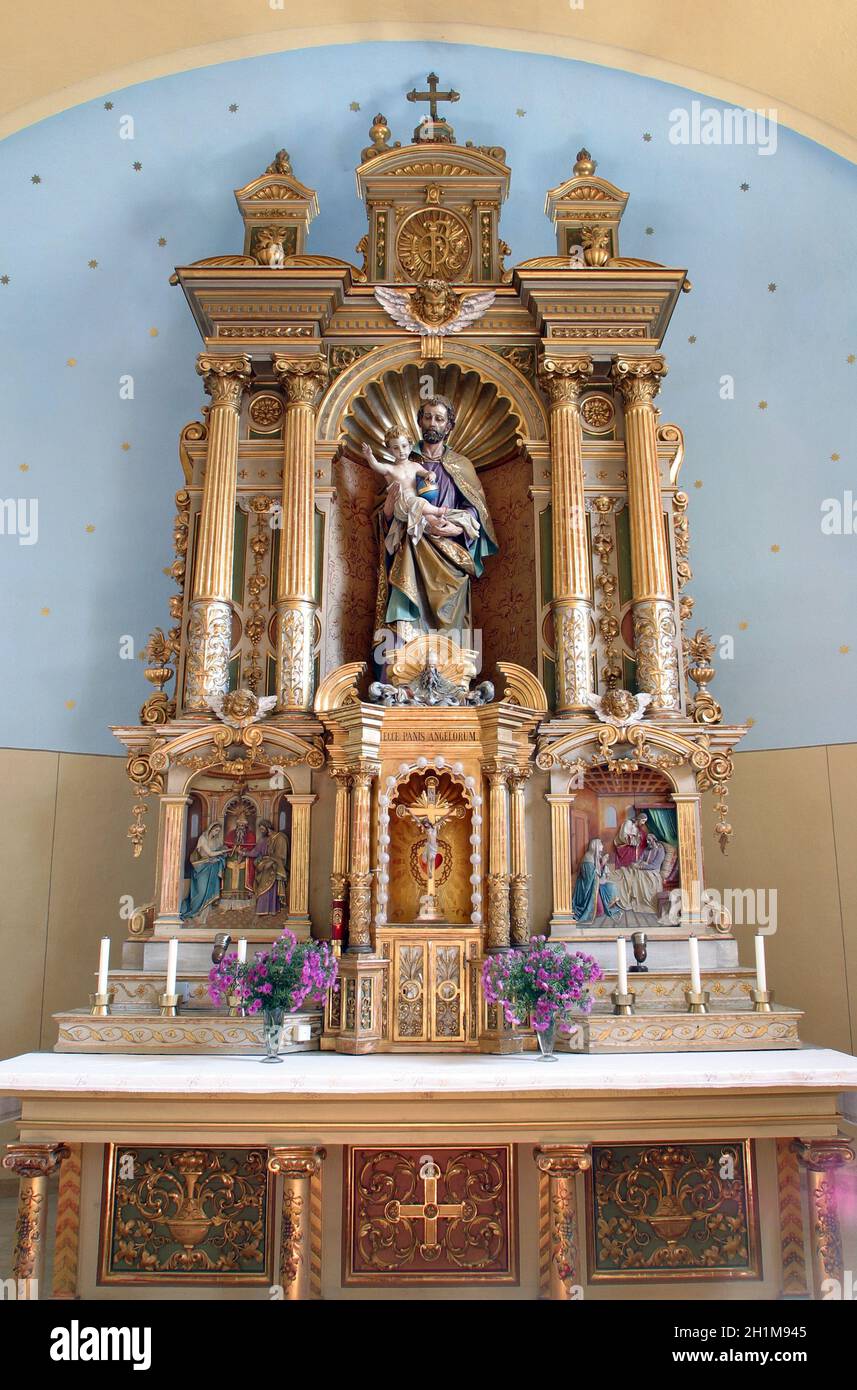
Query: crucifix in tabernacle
x: 430, y: 813
x: 434, y: 127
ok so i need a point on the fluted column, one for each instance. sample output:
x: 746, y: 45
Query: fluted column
x: 498, y: 862
x: 168, y: 893
x: 302, y: 380
x: 821, y: 1158
x: 33, y: 1164
x: 520, y: 880
x: 339, y: 866
x: 210, y: 617
x: 559, y: 1233
x: 561, y: 856
x: 655, y: 631
x: 360, y: 876
x: 300, y: 1228
x: 561, y: 380
x: 301, y: 804
x: 689, y: 828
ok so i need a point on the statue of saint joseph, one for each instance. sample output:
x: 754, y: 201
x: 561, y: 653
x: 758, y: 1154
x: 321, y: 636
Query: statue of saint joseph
x: 425, y: 582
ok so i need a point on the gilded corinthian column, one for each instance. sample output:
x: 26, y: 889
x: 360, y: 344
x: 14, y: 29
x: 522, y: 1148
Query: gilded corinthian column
x: 302, y: 380
x: 300, y: 1229
x: 561, y: 379
x: 520, y: 879
x: 33, y: 1164
x: 339, y: 865
x: 559, y: 1237
x: 498, y: 862
x: 655, y: 632
x: 821, y: 1158
x: 360, y: 897
x: 210, y: 619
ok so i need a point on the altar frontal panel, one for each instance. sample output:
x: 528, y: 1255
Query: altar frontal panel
x: 186, y: 1216
x: 430, y: 1216
x: 672, y: 1212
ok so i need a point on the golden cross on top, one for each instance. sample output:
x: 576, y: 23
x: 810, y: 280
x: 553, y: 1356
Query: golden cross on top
x: 433, y: 96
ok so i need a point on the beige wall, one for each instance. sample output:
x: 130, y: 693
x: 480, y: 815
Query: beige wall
x: 65, y: 863
x: 796, y: 831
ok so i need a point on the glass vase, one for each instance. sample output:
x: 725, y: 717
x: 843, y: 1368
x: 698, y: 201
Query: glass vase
x: 273, y: 1021
x: 547, y: 1042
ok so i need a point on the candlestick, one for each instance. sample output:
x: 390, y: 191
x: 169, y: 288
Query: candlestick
x: 103, y: 965
x: 761, y: 975
x: 762, y: 1000
x: 242, y: 951
x: 621, y: 966
x: 695, y: 980
x: 172, y: 962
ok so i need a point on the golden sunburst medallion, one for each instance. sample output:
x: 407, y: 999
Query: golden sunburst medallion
x: 433, y: 243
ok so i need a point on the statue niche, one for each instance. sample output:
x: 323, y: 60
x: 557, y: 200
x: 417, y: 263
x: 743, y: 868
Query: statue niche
x: 429, y: 875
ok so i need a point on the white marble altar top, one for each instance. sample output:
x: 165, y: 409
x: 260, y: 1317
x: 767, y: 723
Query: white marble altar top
x: 327, y: 1073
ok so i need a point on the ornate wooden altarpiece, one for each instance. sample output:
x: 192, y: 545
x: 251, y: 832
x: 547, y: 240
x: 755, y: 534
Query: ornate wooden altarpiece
x: 279, y: 723
x: 408, y: 804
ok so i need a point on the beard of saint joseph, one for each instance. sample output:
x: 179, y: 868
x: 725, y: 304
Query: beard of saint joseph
x: 431, y: 435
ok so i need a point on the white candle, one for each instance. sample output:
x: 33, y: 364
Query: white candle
x: 621, y: 965
x: 761, y: 974
x: 695, y: 981
x: 172, y: 961
x: 242, y: 951
x: 103, y: 963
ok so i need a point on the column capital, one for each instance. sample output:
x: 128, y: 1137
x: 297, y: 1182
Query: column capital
x: 561, y: 378
x: 296, y: 1163
x: 301, y: 798
x: 822, y: 1155
x: 562, y: 1160
x: 225, y: 378
x: 638, y: 378
x: 30, y: 1160
x: 361, y: 772
x: 517, y: 777
x: 301, y: 378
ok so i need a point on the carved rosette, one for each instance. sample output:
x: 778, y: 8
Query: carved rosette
x: 656, y: 643
x: 558, y: 1225
x: 208, y: 649
x: 298, y: 1232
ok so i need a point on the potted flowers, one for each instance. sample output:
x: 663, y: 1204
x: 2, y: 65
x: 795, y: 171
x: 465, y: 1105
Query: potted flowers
x: 276, y: 982
x: 540, y: 981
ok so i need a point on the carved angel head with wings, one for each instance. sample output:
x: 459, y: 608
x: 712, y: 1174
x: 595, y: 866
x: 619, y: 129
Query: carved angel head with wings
x: 433, y: 307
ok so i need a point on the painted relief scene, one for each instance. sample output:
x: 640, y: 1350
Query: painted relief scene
x: 624, y: 850
x: 237, y: 859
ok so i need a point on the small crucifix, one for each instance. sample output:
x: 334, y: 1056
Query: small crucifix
x: 430, y: 1210
x: 433, y: 96
x: 430, y: 813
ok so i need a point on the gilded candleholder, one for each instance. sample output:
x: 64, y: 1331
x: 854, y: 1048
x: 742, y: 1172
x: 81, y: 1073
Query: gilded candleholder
x: 236, y: 1006
x: 623, y: 1003
x: 762, y: 1000
x: 101, y: 1004
x: 169, y: 1005
x: 697, y: 1003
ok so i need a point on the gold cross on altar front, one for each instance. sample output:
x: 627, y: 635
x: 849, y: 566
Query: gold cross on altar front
x: 433, y: 96
x: 429, y: 1211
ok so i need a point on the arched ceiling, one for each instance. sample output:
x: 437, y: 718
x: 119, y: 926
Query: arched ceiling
x: 785, y: 54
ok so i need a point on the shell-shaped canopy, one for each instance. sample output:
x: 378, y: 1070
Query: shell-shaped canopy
x: 486, y: 425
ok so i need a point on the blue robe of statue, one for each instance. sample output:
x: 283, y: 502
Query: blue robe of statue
x: 592, y: 899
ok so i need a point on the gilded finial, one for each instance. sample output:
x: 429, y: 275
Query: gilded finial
x: 379, y: 134
x: 281, y: 164
x: 585, y: 164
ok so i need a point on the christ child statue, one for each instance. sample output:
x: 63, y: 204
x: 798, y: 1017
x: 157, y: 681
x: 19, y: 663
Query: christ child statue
x: 411, y: 512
